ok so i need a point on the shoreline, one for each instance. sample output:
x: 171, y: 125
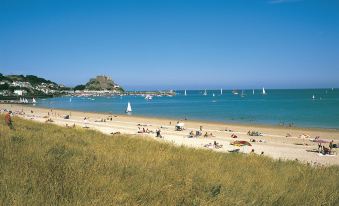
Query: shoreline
x: 273, y: 142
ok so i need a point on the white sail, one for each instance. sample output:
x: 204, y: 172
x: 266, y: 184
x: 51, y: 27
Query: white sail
x: 263, y: 91
x: 253, y: 91
x: 33, y: 101
x: 129, y: 108
x: 185, y: 93
x: 70, y: 99
x: 205, y: 93
x: 220, y: 91
x: 313, y: 97
x: 213, y: 95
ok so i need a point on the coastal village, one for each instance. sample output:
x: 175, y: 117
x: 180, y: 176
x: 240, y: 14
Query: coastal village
x: 15, y: 87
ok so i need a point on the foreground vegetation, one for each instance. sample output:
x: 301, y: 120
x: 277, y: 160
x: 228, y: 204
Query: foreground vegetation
x: 42, y: 164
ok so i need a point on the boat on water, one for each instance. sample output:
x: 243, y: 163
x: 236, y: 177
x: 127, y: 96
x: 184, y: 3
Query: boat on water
x: 205, y: 93
x: 221, y: 91
x: 313, y: 97
x: 263, y: 91
x: 33, y: 101
x: 253, y: 91
x: 129, y: 108
x: 242, y: 93
x: 148, y: 97
x: 213, y: 95
x: 235, y: 92
x: 185, y: 93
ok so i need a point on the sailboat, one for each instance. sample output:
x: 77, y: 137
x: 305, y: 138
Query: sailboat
x: 33, y: 101
x: 129, y: 108
x: 253, y: 91
x: 220, y: 91
x: 313, y: 97
x: 205, y: 93
x: 185, y: 93
x: 213, y: 95
x: 263, y: 91
x: 70, y: 99
x: 242, y: 93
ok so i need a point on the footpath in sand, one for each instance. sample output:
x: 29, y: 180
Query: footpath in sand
x: 272, y: 143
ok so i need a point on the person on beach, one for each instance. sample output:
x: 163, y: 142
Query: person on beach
x: 330, y: 146
x: 158, y: 132
x: 8, y: 120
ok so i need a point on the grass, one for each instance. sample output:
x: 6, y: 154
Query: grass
x: 43, y: 164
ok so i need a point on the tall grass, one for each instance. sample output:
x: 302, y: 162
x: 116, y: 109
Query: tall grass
x: 43, y: 164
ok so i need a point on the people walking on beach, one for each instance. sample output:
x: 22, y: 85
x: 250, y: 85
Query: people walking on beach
x: 158, y: 133
x: 8, y: 120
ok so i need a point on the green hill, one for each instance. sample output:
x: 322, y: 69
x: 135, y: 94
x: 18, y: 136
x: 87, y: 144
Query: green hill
x: 43, y: 164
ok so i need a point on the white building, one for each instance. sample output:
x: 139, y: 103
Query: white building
x: 19, y: 92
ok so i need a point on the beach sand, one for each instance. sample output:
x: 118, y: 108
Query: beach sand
x: 273, y: 143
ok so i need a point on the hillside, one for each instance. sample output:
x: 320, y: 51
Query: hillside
x: 29, y: 85
x: 43, y: 164
x: 102, y: 83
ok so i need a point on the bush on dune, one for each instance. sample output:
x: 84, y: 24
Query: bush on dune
x: 44, y: 164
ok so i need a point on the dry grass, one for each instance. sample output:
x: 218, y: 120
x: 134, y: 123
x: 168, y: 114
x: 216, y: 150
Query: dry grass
x: 42, y: 164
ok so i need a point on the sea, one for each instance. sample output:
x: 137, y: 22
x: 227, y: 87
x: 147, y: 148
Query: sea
x: 286, y: 107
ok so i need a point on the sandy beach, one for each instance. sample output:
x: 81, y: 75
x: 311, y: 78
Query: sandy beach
x: 287, y: 143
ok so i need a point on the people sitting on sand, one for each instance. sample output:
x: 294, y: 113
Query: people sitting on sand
x: 206, y: 135
x: 326, y: 150
x: 252, y: 140
x: 288, y: 135
x: 191, y: 134
x: 252, y: 151
x: 140, y: 130
x: 234, y: 136
x: 262, y: 153
x: 198, y: 133
x: 211, y: 134
x: 254, y: 133
x: 49, y: 120
x: 217, y: 145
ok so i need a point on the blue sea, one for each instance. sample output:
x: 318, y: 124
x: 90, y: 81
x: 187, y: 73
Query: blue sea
x: 277, y: 107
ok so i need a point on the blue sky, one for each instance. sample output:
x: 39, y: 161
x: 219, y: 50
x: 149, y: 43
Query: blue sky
x: 163, y: 44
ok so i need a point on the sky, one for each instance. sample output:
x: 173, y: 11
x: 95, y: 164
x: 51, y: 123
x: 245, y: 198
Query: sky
x: 174, y: 44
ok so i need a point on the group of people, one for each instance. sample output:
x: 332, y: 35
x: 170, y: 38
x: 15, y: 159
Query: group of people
x: 326, y: 150
x: 143, y: 130
x: 254, y: 133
